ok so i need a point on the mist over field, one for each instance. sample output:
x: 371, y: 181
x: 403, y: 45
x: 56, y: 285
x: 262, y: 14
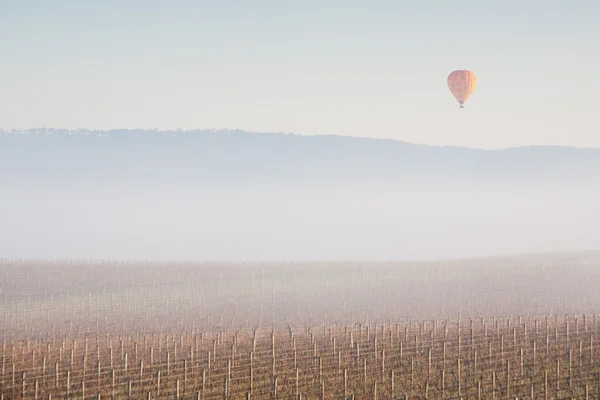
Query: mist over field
x: 235, y: 195
x: 261, y: 323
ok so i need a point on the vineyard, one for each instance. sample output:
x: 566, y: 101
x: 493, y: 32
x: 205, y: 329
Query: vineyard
x: 478, y: 329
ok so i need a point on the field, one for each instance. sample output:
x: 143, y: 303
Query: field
x: 493, y: 328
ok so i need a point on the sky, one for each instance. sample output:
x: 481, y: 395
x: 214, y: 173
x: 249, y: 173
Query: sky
x: 369, y: 68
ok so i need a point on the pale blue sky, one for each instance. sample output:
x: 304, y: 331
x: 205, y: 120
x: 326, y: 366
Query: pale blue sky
x: 363, y: 68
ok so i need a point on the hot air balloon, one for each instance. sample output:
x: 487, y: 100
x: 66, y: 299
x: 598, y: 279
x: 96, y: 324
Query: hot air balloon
x: 462, y: 84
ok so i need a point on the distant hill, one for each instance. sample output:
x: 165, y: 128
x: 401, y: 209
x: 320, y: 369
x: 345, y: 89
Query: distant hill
x: 234, y: 156
x: 234, y: 195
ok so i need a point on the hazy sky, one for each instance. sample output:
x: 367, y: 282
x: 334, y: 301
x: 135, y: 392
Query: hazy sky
x: 364, y: 68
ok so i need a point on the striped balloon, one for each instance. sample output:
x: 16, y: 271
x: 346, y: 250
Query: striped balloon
x: 462, y: 84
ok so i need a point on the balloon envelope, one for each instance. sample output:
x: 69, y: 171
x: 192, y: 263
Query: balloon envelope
x: 462, y: 84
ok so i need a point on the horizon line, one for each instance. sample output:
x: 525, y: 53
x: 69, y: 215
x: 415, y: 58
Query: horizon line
x: 26, y: 131
x: 504, y: 256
